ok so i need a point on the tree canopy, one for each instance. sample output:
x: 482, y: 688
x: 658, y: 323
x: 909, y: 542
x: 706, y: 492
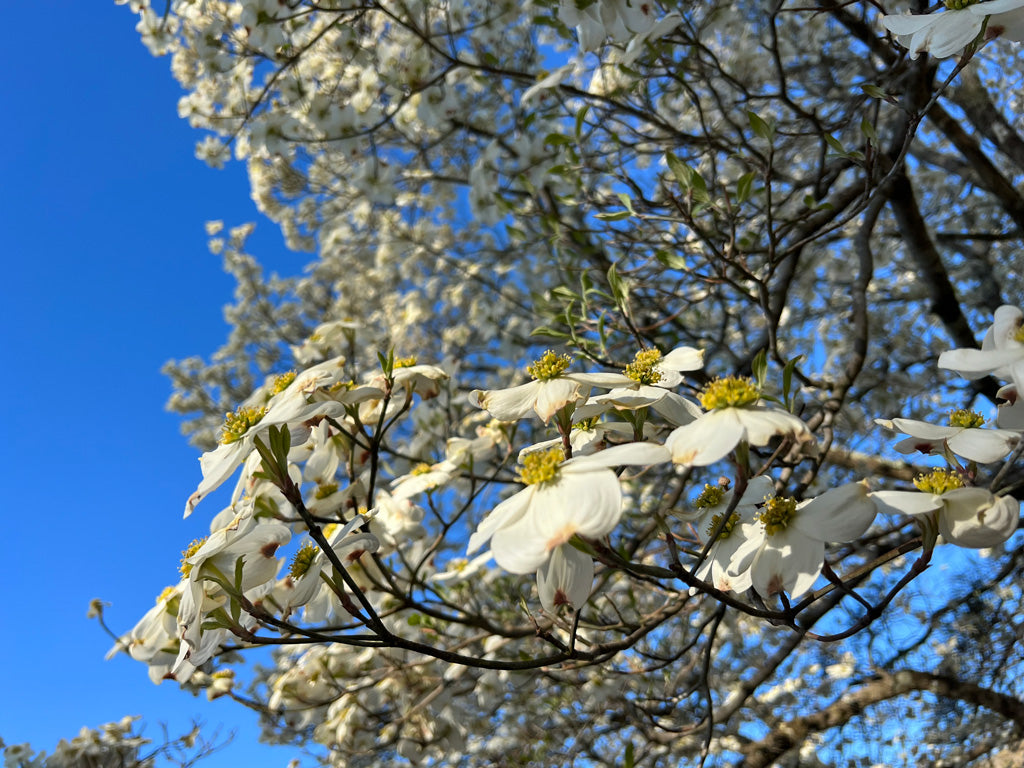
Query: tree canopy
x: 698, y: 312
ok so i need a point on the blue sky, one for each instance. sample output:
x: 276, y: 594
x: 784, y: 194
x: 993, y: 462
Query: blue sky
x: 108, y: 277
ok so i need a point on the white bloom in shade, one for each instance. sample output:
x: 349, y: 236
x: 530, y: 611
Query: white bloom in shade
x: 963, y: 437
x: 310, y: 561
x: 733, y: 415
x: 550, y: 391
x: 460, y: 569
x: 1002, y: 350
x: 154, y: 640
x: 967, y: 517
x: 562, y: 498
x: 790, y: 557
x: 726, y: 570
x: 245, y: 538
x: 565, y: 579
x: 943, y: 34
x: 1010, y: 414
x: 290, y: 407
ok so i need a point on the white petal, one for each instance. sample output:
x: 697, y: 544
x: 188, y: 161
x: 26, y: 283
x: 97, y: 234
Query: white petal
x: 1009, y: 25
x: 567, y: 577
x: 589, y: 504
x: 683, y: 359
x: 706, y: 440
x: 519, y: 548
x: 676, y: 409
x: 922, y: 429
x: 839, y: 514
x: 973, y: 517
x: 554, y: 395
x: 554, y: 78
x: 985, y: 9
x: 763, y: 424
x: 906, y: 502
x: 758, y: 489
x: 983, y: 445
x: 505, y: 514
x: 642, y: 454
x: 603, y: 380
x: 509, y: 404
x: 975, y: 363
x: 951, y: 33
x: 788, y: 562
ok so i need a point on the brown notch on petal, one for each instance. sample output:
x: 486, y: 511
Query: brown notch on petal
x: 561, y: 598
x: 268, y: 550
x: 924, y: 447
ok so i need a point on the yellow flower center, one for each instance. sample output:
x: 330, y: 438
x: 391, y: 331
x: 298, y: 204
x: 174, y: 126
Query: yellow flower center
x: 191, y: 549
x: 302, y: 561
x: 405, y: 362
x: 734, y: 518
x: 342, y: 386
x: 170, y: 600
x: 549, y: 366
x: 1018, y: 335
x: 711, y: 496
x: 420, y: 469
x: 729, y: 392
x: 939, y: 481
x: 238, y: 423
x: 965, y: 419
x: 541, y: 466
x: 282, y: 382
x: 642, y: 370
x: 324, y: 490
x: 777, y: 513
x: 959, y: 5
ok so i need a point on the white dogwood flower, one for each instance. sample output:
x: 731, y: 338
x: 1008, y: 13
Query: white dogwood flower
x: 1002, y: 350
x: 943, y: 34
x: 550, y: 391
x: 653, y: 374
x: 734, y: 414
x: 965, y: 516
x: 791, y: 555
x: 726, y: 570
x: 561, y: 499
x: 963, y: 437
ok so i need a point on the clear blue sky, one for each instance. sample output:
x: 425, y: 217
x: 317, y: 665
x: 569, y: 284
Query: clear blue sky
x: 107, y: 277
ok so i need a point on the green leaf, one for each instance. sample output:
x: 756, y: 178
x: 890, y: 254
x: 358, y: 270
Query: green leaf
x: 868, y: 129
x: 833, y: 142
x: 580, y: 117
x: 787, y: 378
x: 619, y: 291
x: 760, y: 127
x: 682, y: 172
x: 760, y: 367
x: 628, y: 759
x: 555, y: 139
x: 617, y: 216
x: 744, y: 185
x: 874, y: 91
x: 547, y: 331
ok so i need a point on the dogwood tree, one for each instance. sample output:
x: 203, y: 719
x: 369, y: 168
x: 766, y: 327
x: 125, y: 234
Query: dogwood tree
x: 571, y: 443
